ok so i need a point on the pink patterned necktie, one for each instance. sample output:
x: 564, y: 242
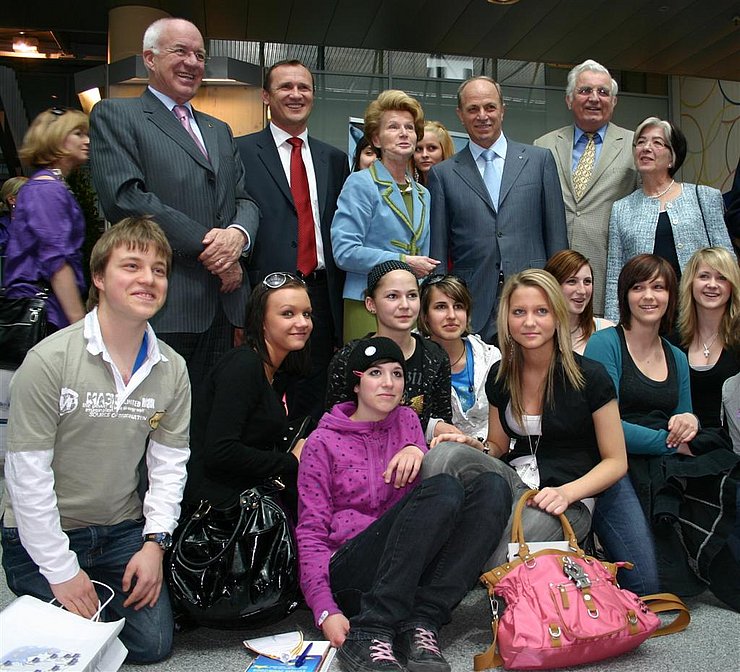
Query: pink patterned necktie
x: 183, y: 114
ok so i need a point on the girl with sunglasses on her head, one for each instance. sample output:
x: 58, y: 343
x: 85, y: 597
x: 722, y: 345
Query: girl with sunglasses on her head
x: 446, y: 307
x: 685, y: 477
x: 44, y: 249
x: 238, y: 415
x: 392, y: 297
x: 385, y: 556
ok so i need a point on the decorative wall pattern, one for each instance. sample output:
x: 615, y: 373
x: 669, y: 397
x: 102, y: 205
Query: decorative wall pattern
x: 709, y: 113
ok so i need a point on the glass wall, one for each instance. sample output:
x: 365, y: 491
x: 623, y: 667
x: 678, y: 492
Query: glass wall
x: 348, y: 79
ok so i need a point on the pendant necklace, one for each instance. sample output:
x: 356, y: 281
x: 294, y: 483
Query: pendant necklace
x: 707, y: 346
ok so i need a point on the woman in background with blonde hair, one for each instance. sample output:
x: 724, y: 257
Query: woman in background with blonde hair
x: 435, y: 146
x: 709, y: 300
x: 45, y: 242
x: 8, y: 195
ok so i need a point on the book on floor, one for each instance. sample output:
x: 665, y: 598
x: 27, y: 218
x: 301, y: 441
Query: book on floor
x: 281, y: 651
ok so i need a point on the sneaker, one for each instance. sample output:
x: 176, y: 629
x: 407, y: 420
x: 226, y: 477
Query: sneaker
x: 368, y: 655
x: 419, y: 649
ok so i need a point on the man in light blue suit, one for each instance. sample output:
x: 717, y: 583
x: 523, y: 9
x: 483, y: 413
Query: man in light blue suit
x: 497, y: 207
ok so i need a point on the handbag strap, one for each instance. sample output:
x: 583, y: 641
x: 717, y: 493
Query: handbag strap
x: 701, y: 211
x: 660, y: 602
x: 197, y: 518
x: 489, y: 658
x: 517, y: 530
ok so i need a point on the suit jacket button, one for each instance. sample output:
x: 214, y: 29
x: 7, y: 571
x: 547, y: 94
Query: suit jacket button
x: 500, y: 234
x: 294, y: 244
x: 578, y: 213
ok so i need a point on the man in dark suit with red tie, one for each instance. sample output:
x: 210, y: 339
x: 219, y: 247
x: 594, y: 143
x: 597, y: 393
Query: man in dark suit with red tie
x: 296, y: 181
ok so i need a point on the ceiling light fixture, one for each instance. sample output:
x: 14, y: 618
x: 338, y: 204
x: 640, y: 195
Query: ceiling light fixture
x: 25, y: 45
x: 503, y: 2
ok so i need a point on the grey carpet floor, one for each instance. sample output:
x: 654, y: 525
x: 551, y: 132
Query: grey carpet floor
x: 711, y: 642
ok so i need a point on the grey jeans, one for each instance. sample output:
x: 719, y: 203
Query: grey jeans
x: 465, y: 463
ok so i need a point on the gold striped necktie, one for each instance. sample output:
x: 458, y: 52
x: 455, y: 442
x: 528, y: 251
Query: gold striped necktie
x: 582, y: 173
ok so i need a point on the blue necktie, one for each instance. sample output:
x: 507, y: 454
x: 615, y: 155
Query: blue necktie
x: 491, y: 176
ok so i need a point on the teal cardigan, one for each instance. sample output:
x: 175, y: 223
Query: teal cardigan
x: 604, y: 347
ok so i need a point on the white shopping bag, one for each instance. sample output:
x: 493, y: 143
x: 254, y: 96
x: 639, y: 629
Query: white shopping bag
x: 37, y: 636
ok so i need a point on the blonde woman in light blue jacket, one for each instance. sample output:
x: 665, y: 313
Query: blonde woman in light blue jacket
x: 664, y: 217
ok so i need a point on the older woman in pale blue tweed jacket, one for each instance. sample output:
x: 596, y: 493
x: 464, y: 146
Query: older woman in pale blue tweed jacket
x: 696, y: 212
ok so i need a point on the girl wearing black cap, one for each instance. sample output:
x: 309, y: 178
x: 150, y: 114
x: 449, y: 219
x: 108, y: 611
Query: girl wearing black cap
x: 381, y: 566
x: 392, y: 296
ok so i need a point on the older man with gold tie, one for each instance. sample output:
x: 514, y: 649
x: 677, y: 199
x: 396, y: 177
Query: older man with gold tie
x: 594, y: 161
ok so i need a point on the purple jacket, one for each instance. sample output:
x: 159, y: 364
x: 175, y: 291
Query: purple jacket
x: 48, y: 231
x: 341, y: 489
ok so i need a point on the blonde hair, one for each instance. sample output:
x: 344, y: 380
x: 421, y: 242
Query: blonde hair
x: 445, y: 141
x: 393, y: 100
x: 512, y: 358
x: 720, y: 260
x: 43, y: 144
x: 10, y: 187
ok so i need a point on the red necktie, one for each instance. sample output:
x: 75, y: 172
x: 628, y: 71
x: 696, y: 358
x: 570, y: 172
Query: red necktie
x: 306, y: 262
x: 183, y: 114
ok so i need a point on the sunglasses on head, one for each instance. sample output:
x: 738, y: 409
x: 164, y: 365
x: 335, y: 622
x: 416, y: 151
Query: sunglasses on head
x: 278, y: 279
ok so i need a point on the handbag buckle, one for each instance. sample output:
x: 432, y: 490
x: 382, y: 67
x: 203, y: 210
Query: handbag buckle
x: 576, y: 573
x: 34, y: 315
x: 494, y: 607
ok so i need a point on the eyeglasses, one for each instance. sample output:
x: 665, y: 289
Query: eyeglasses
x: 656, y: 143
x: 182, y: 52
x: 277, y: 280
x: 601, y: 91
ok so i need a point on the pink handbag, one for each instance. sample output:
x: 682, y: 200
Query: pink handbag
x: 565, y: 608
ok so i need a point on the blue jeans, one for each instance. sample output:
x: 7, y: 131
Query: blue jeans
x: 622, y: 528
x: 414, y: 564
x: 103, y: 552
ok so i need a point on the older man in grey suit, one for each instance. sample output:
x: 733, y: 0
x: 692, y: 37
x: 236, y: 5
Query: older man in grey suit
x: 155, y: 155
x: 497, y: 207
x: 594, y: 160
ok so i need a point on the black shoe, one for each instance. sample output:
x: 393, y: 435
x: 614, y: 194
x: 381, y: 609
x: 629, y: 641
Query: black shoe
x: 419, y: 648
x: 368, y: 655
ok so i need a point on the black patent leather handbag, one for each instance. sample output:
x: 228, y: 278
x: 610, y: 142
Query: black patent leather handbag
x: 237, y: 567
x: 22, y: 325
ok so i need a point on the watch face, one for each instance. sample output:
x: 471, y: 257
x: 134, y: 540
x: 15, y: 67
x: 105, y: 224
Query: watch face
x: 162, y: 538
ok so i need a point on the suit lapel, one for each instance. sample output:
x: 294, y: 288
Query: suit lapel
x: 166, y: 121
x: 210, y: 139
x: 321, y: 171
x: 516, y: 159
x: 614, y: 143
x: 392, y: 197
x: 564, y: 155
x: 268, y: 154
x: 468, y: 171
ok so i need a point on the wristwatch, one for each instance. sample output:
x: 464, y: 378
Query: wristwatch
x: 164, y: 539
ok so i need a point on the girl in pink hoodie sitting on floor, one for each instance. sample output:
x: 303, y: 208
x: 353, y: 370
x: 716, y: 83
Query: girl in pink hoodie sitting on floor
x: 385, y: 558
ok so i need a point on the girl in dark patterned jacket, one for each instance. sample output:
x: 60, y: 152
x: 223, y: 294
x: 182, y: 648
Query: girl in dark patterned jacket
x: 392, y: 295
